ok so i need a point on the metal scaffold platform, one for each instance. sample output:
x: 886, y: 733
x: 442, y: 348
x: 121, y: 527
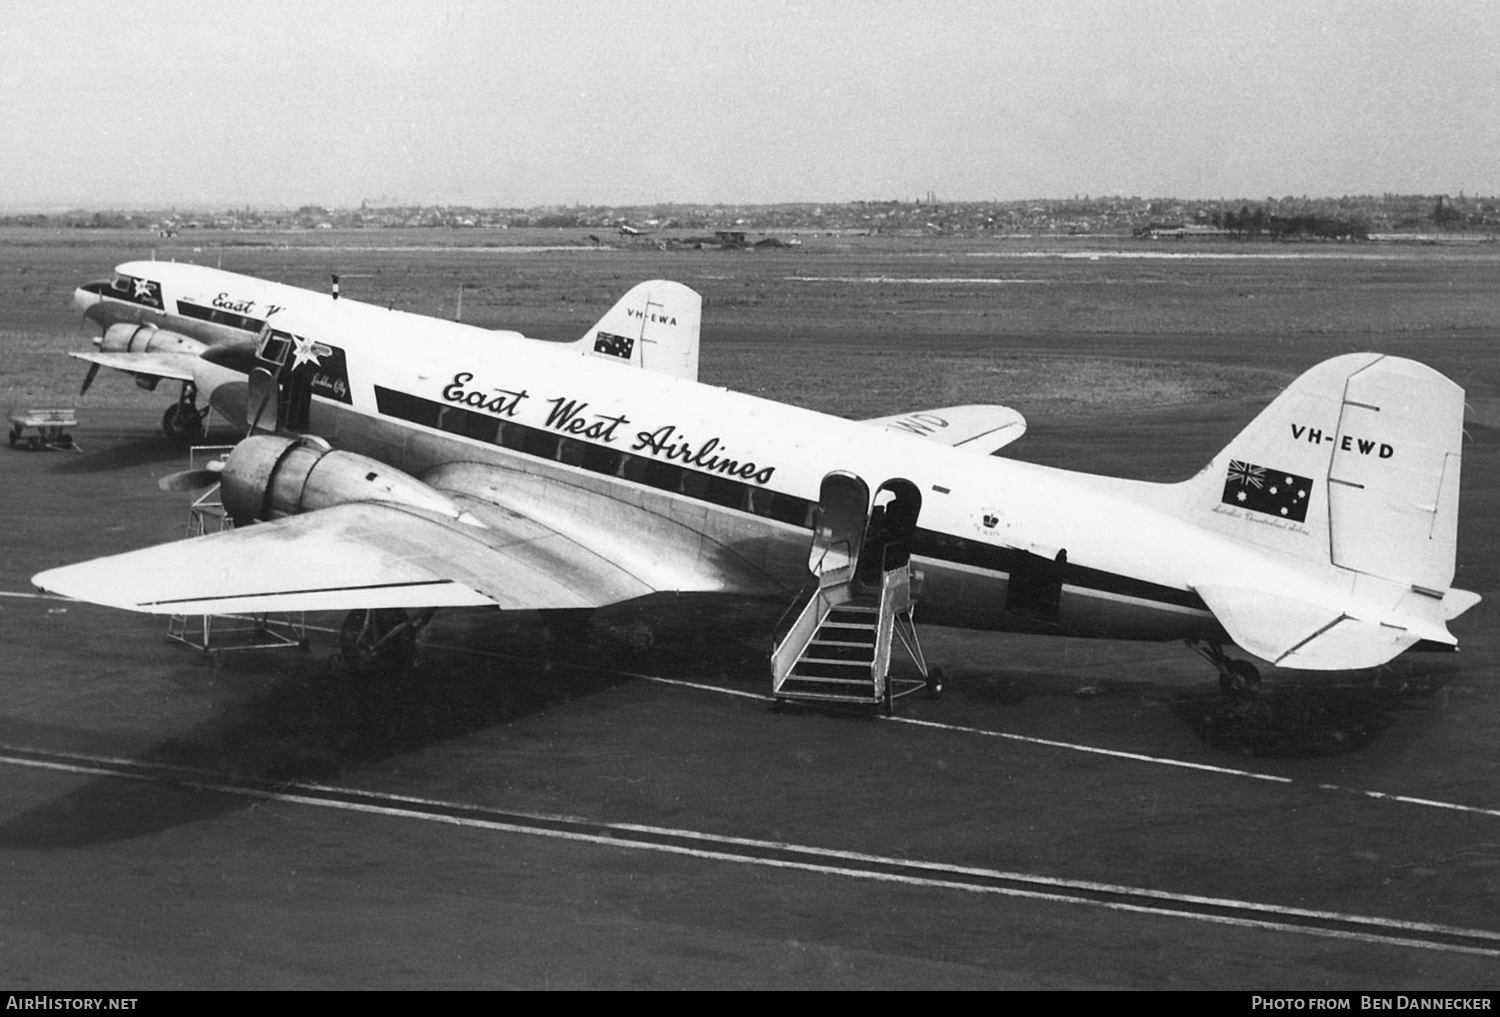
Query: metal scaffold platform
x: 225, y: 633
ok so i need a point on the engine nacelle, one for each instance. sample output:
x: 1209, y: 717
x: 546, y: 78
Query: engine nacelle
x: 267, y: 477
x: 126, y: 338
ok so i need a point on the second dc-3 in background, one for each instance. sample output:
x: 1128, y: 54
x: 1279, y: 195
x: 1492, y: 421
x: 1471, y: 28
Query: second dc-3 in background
x: 157, y: 319
x: 409, y: 464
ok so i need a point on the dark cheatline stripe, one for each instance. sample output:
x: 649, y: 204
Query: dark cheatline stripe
x: 547, y: 444
x: 216, y: 316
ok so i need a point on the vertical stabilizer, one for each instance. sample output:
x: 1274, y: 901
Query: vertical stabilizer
x: 1353, y: 470
x: 653, y: 327
x: 1356, y: 464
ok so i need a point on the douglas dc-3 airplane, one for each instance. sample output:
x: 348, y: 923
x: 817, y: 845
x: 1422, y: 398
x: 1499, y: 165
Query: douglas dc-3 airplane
x: 157, y: 318
x: 415, y: 466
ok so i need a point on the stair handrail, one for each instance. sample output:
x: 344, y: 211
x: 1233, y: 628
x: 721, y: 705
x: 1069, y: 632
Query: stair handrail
x: 789, y: 649
x: 895, y: 597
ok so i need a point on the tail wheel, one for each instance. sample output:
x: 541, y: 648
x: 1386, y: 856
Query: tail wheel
x: 378, y: 641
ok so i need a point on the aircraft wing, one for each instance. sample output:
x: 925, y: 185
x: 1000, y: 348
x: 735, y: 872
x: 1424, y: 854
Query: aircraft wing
x: 983, y: 428
x: 378, y: 554
x: 175, y: 366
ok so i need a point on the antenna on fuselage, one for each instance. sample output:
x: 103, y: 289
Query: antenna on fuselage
x: 335, y: 285
x: 458, y: 314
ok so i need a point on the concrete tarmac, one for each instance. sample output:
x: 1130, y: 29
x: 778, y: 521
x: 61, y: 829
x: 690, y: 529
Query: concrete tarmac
x: 630, y: 812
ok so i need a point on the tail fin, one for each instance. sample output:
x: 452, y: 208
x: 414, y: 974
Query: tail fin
x: 1354, y: 467
x: 653, y: 327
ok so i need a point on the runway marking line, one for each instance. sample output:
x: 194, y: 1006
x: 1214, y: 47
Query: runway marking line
x: 1092, y: 749
x: 777, y: 854
x: 1139, y: 757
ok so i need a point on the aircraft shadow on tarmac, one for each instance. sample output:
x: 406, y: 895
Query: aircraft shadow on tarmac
x: 1307, y: 717
x: 315, y: 721
x: 1295, y: 715
x: 147, y: 450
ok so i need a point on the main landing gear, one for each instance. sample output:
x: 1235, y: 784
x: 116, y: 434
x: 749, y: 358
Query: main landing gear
x: 184, y: 419
x: 381, y: 641
x: 1239, y: 679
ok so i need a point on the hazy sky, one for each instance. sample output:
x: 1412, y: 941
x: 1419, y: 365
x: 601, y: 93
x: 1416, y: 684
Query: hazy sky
x: 211, y: 103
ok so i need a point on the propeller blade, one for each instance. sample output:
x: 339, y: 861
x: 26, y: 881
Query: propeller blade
x: 192, y: 480
x: 263, y: 397
x: 88, y: 379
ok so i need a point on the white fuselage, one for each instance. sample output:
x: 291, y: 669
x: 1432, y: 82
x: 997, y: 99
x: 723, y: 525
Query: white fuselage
x: 207, y: 304
x: 749, y: 463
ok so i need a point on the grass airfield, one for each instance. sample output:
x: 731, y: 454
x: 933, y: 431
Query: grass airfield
x: 1134, y: 358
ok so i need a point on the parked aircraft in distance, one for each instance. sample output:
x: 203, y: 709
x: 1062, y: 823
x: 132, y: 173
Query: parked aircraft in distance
x: 158, y: 319
x: 415, y: 466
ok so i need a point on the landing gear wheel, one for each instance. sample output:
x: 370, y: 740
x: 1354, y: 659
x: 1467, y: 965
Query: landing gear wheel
x: 381, y: 641
x: 15, y: 434
x: 935, y: 683
x: 181, y: 421
x: 1240, y: 679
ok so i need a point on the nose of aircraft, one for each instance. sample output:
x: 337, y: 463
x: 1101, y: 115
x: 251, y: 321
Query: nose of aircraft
x: 87, y: 298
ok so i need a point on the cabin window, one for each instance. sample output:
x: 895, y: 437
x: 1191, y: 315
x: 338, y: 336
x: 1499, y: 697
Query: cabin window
x: 651, y: 472
x: 598, y: 459
x: 468, y: 423
x: 541, y: 444
x: 784, y: 508
x: 728, y: 493
x: 571, y: 452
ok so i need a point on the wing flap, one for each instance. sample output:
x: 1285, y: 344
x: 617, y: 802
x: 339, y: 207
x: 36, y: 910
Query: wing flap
x: 983, y: 428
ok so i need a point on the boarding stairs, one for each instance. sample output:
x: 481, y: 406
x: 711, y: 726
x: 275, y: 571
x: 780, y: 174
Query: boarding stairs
x: 838, y: 647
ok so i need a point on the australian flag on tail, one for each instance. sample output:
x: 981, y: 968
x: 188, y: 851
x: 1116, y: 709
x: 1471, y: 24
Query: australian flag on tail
x: 1272, y: 492
x: 614, y: 345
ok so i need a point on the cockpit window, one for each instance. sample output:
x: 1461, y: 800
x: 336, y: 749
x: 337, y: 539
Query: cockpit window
x: 121, y: 283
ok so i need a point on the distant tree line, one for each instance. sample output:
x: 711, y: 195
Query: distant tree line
x: 1248, y: 224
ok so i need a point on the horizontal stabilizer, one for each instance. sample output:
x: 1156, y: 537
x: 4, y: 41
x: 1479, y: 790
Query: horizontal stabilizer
x: 982, y: 428
x: 1301, y: 634
x: 1456, y: 602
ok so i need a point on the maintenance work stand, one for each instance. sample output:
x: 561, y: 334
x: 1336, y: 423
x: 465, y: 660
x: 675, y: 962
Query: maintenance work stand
x: 51, y: 427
